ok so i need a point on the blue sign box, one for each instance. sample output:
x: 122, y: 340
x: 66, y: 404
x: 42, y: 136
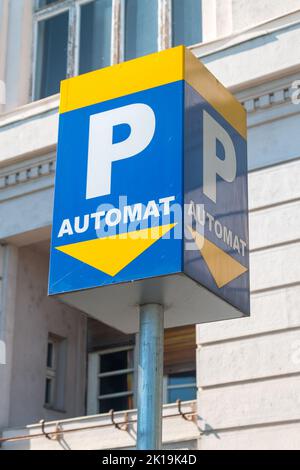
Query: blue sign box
x: 151, y: 194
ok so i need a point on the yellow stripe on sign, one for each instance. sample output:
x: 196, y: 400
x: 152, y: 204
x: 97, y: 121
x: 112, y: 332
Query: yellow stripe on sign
x: 122, y: 79
x: 204, y: 82
x: 222, y: 266
x: 112, y: 254
x: 148, y: 72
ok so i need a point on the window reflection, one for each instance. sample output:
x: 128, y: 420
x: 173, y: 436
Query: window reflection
x: 186, y: 22
x: 141, y: 27
x: 51, y: 54
x: 95, y: 35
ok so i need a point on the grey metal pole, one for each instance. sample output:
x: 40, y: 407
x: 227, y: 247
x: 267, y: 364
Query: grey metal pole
x: 150, y: 377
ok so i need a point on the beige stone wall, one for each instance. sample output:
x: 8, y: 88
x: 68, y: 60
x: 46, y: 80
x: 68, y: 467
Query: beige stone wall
x: 8, y: 286
x: 248, y: 370
x: 246, y: 13
x: 37, y: 315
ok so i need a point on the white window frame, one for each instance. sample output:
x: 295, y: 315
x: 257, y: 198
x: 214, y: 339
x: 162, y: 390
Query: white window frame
x: 93, y: 396
x: 45, y: 13
x: 164, y: 38
x: 94, y: 376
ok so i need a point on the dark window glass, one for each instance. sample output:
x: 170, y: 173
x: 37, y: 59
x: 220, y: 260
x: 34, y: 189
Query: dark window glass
x: 186, y: 22
x: 48, y: 391
x: 177, y: 389
x: 50, y: 355
x: 184, y: 394
x: 116, y: 404
x: 182, y: 378
x: 95, y: 35
x: 141, y: 26
x: 115, y: 361
x: 43, y: 3
x: 115, y: 384
x: 51, y: 55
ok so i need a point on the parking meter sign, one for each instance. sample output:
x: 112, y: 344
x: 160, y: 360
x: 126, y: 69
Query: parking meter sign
x: 151, y: 192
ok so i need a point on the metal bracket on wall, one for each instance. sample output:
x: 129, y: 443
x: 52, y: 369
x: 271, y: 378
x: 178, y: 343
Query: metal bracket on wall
x: 190, y: 416
x: 55, y: 436
x: 121, y: 426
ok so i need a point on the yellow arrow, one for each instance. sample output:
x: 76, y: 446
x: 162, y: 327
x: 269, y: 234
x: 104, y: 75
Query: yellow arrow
x: 222, y: 266
x: 114, y: 253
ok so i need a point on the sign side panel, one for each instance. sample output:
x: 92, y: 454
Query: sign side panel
x: 206, y: 84
x: 216, y: 247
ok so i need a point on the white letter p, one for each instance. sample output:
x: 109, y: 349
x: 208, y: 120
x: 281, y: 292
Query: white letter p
x: 103, y: 152
x: 212, y: 165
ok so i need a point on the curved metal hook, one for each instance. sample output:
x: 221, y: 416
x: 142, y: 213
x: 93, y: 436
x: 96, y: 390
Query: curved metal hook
x: 186, y: 416
x: 48, y: 436
x: 121, y: 427
x: 51, y: 437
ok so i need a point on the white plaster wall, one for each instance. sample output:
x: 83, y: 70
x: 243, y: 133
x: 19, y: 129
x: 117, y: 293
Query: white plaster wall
x: 223, y: 17
x: 36, y: 315
x: 282, y: 135
x: 209, y: 20
x: 31, y: 212
x: 263, y: 55
x: 246, y: 13
x: 29, y: 135
x: 277, y: 436
x: 248, y: 370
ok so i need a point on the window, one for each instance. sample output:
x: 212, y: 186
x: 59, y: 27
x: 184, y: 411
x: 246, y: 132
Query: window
x: 95, y: 35
x: 76, y: 36
x: 140, y: 28
x: 186, y: 22
x: 71, y: 37
x: 115, y: 380
x: 55, y: 372
x: 52, y: 49
x: 180, y: 386
x: 180, y: 364
x: 112, y: 372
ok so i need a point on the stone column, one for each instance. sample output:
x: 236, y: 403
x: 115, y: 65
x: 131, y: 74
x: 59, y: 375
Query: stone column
x: 8, y: 287
x: 18, y: 62
x: 3, y: 42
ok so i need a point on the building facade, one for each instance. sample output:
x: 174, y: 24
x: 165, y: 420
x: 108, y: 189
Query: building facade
x: 239, y: 380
